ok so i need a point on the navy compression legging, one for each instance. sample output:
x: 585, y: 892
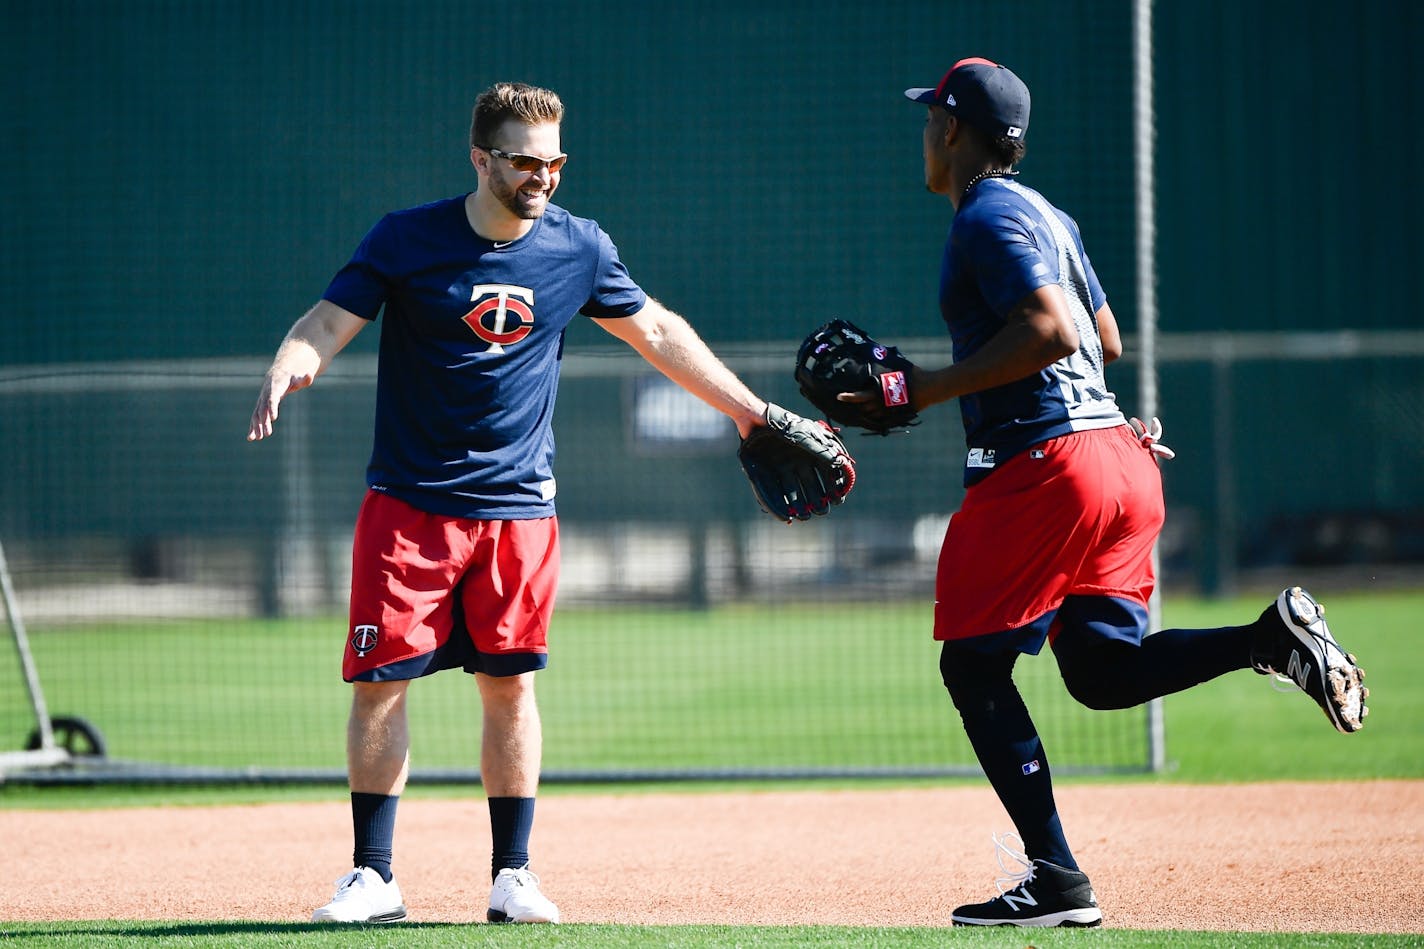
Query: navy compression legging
x: 1099, y: 673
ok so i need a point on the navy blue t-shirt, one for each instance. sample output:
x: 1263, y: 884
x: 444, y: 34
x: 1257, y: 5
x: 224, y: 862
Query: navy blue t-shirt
x: 1005, y: 242
x: 470, y: 351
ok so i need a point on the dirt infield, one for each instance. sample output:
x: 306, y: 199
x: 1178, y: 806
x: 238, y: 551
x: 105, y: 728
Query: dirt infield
x: 1338, y: 857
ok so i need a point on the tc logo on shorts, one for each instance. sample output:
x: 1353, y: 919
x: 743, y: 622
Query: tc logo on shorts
x: 503, y: 314
x: 892, y: 386
x: 364, y: 639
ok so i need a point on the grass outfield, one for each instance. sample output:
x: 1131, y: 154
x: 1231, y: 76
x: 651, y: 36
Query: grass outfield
x: 587, y: 936
x: 849, y: 685
x: 1236, y: 729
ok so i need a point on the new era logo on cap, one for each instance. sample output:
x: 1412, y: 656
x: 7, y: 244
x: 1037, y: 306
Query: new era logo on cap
x: 982, y: 93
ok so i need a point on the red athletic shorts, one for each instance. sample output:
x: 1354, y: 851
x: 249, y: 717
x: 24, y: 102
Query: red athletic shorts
x: 430, y: 592
x: 1074, y: 516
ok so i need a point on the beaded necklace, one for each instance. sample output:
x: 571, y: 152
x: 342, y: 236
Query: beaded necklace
x: 991, y: 173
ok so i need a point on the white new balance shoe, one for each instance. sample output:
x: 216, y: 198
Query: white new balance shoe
x: 363, y: 897
x: 515, y: 898
x: 1302, y: 653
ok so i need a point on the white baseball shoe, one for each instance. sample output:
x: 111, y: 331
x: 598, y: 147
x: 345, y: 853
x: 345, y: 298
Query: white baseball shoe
x: 515, y: 898
x: 1303, y: 654
x: 363, y: 897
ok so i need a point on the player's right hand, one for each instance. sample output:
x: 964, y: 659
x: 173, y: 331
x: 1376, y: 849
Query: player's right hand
x: 276, y: 385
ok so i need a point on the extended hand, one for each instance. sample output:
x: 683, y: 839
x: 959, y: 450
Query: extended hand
x: 854, y: 380
x: 798, y: 468
x: 276, y: 385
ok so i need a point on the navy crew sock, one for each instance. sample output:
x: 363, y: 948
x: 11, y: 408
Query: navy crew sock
x: 511, y: 820
x: 373, y: 820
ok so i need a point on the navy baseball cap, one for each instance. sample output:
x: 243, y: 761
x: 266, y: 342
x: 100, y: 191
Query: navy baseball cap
x: 982, y: 93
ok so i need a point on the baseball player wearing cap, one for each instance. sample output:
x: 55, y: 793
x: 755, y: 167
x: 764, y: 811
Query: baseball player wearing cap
x: 456, y: 550
x: 1063, y: 499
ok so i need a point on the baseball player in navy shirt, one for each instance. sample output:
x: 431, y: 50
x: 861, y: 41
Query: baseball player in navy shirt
x: 456, y: 554
x: 1063, y: 504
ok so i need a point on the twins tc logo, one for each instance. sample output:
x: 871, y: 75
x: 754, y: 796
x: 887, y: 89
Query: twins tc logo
x: 364, y: 639
x: 503, y: 314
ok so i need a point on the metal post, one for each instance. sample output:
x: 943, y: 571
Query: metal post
x: 1144, y: 144
x: 27, y: 663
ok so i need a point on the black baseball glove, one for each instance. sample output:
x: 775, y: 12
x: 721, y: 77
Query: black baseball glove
x: 797, y: 467
x: 840, y: 357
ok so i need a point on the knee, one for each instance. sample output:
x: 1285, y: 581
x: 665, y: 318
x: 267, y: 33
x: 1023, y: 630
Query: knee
x: 507, y: 695
x: 377, y: 698
x: 1089, y: 682
x: 974, y: 680
x: 1088, y: 693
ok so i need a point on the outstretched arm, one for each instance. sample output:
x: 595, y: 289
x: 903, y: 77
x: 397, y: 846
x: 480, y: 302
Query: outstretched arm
x: 797, y: 468
x: 304, y: 354
x: 672, y: 347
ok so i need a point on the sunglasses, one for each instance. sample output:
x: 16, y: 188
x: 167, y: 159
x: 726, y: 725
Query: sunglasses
x: 528, y: 163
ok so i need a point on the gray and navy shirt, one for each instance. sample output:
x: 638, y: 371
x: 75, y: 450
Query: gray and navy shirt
x: 1006, y: 241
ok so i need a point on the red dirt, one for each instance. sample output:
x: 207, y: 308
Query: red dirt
x: 1330, y: 857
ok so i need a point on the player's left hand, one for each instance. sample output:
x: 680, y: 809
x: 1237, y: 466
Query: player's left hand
x: 1149, y: 435
x: 856, y: 381
x: 797, y: 468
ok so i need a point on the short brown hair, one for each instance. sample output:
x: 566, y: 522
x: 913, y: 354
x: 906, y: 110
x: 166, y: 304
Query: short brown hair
x: 512, y: 100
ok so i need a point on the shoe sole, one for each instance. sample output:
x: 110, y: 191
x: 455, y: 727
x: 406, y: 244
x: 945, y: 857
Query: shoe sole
x: 1342, y: 685
x: 1069, y: 919
x: 393, y: 916
x: 495, y: 916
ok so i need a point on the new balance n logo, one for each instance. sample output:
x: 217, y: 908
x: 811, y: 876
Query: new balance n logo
x: 1296, y: 670
x: 1020, y: 898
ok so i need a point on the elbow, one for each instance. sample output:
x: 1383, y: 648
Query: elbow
x: 1059, y: 345
x: 656, y: 331
x: 1051, y: 337
x: 1112, y: 350
x: 655, y: 335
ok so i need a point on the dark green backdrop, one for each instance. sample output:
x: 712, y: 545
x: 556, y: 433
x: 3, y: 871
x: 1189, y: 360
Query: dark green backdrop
x: 182, y: 178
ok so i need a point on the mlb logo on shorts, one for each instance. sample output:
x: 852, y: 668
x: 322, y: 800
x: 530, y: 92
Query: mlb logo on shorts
x: 1030, y: 768
x: 894, y: 388
x: 364, y: 639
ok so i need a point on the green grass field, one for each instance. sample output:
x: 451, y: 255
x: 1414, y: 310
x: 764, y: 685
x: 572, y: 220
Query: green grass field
x: 627, y: 691
x: 638, y: 690
x: 589, y: 936
x: 862, y: 671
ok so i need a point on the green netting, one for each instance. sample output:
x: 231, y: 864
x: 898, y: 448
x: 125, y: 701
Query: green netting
x: 183, y: 178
